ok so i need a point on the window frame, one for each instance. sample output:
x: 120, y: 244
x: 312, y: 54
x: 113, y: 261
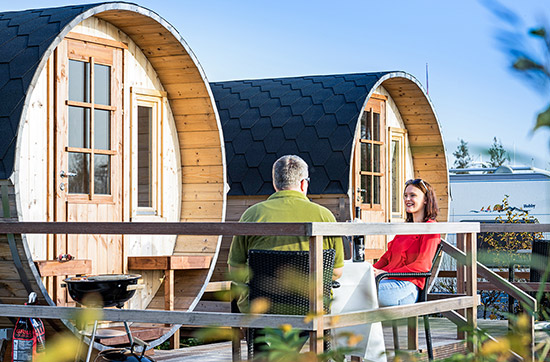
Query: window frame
x: 376, y: 104
x: 399, y: 135
x: 141, y: 97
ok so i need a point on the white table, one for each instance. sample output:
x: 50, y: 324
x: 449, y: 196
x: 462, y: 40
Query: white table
x: 358, y: 292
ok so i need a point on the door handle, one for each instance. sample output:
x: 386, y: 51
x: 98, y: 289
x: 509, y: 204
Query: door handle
x: 67, y: 174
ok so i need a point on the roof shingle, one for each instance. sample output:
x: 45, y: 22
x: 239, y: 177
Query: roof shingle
x: 313, y: 117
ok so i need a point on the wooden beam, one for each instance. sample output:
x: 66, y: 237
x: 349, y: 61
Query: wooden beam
x: 519, y: 228
x: 524, y: 286
x: 169, y: 262
x: 218, y: 286
x: 156, y: 228
x: 235, y: 228
x: 398, y: 312
x: 50, y: 268
x: 159, y: 316
x: 343, y: 228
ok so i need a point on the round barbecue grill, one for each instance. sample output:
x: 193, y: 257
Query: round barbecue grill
x: 114, y: 289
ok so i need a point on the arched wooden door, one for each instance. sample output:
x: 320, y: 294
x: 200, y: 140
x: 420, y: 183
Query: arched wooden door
x: 88, y: 150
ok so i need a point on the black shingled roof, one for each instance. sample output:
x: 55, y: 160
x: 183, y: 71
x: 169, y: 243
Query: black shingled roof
x: 314, y: 117
x: 25, y: 37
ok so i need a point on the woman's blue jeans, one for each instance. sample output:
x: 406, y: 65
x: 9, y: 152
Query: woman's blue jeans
x: 396, y: 292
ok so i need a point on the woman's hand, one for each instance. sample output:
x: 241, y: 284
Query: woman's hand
x: 378, y: 271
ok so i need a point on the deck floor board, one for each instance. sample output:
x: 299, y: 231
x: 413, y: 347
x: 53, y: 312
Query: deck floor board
x: 443, y: 335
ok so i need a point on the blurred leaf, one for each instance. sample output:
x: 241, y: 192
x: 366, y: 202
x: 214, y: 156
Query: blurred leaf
x: 540, y: 32
x: 259, y: 305
x: 543, y: 119
x: 214, y: 334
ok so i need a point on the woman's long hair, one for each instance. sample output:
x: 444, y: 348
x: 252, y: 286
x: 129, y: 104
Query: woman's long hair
x: 430, y: 209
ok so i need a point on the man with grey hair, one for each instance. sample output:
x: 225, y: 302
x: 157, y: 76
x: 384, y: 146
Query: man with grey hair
x: 288, y: 204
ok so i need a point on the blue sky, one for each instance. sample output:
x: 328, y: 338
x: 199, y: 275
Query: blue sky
x: 475, y: 94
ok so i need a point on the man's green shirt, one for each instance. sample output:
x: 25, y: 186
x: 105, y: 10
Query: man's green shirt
x: 283, y: 206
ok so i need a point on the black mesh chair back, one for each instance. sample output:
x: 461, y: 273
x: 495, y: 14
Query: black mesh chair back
x: 282, y: 277
x: 430, y: 281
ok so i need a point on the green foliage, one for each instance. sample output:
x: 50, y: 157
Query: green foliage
x: 498, y: 154
x: 529, y: 53
x: 502, y: 251
x: 284, y: 344
x: 462, y: 155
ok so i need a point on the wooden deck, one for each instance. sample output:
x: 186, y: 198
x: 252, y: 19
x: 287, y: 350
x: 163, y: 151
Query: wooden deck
x: 443, y: 334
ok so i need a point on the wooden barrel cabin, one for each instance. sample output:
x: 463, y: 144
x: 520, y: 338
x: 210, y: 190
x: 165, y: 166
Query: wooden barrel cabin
x: 106, y: 115
x: 362, y: 135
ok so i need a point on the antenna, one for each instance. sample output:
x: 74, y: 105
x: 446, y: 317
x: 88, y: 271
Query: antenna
x: 427, y: 84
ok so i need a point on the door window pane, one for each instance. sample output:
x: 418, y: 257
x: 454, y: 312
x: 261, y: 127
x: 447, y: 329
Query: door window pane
x: 79, y: 127
x: 102, y: 129
x: 366, y: 189
x: 376, y: 190
x: 79, y: 81
x: 395, y: 176
x: 102, y: 84
x: 145, y: 115
x: 376, y: 157
x: 102, y: 174
x: 365, y: 126
x: 376, y: 126
x: 366, y: 155
x: 79, y: 171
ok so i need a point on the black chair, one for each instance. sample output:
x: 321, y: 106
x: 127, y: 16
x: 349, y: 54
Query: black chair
x: 422, y: 296
x: 282, y: 277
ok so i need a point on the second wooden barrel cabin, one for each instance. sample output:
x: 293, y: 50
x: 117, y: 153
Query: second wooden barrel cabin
x: 106, y: 115
x: 362, y: 135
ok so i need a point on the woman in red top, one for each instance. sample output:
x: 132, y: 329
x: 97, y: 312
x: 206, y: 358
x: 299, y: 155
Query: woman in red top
x: 409, y: 253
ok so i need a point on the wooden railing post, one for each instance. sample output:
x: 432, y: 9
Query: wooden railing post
x: 412, y: 333
x: 460, y: 281
x: 471, y: 288
x: 316, y: 295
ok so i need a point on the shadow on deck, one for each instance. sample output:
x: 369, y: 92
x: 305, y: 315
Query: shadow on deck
x: 443, y: 334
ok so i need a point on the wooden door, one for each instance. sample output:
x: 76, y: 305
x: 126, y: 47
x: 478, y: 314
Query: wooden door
x: 369, y: 193
x: 88, y: 150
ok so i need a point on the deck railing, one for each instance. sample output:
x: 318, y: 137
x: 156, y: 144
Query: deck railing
x: 315, y: 232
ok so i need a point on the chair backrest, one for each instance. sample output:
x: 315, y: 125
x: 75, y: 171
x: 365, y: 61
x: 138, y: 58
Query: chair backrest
x: 436, y: 264
x: 282, y: 277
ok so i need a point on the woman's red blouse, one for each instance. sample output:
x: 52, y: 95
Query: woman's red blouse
x: 410, y: 254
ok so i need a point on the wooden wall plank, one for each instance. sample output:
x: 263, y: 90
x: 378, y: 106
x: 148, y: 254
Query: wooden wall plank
x: 425, y: 140
x: 190, y: 105
x: 205, y: 192
x: 200, y: 209
x: 199, y: 139
x: 180, y: 61
x: 197, y: 122
x: 202, y: 174
x: 422, y: 164
x: 202, y: 157
x: 424, y: 129
x: 187, y: 90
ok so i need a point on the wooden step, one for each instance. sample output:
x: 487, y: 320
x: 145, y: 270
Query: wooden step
x: 145, y: 333
x: 169, y: 262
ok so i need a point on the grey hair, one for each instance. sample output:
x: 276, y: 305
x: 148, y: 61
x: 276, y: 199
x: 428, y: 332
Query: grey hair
x: 288, y: 171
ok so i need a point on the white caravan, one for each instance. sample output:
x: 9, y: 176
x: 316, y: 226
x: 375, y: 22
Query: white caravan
x: 475, y: 194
